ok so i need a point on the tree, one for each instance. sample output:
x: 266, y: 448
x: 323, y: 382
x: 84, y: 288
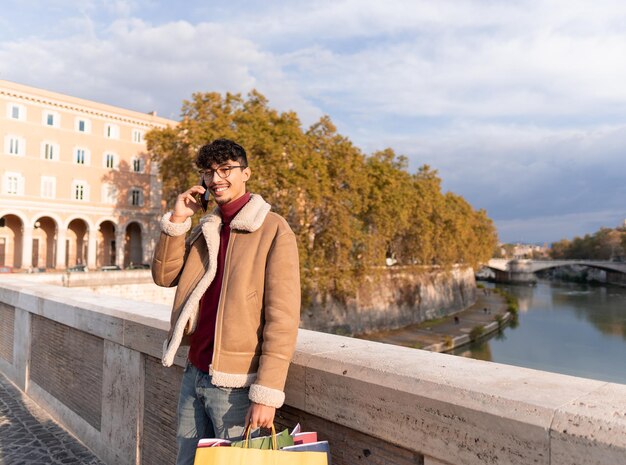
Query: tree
x: 349, y: 211
x: 559, y: 250
x: 604, y: 244
x: 390, y: 196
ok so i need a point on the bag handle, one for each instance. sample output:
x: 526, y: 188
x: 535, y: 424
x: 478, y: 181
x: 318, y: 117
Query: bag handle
x: 273, y: 438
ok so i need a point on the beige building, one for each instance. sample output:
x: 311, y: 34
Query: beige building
x: 76, y: 183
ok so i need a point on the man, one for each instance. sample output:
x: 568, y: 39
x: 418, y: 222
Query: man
x: 237, y: 303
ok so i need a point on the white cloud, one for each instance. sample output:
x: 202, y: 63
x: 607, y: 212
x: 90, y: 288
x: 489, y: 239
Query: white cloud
x: 519, y: 104
x: 523, y: 59
x: 348, y: 19
x: 432, y: 72
x: 150, y: 67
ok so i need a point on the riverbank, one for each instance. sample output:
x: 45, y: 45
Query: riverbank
x: 485, y: 316
x: 392, y: 297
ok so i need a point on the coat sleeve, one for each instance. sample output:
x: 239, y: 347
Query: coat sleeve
x: 170, y: 252
x: 282, y: 318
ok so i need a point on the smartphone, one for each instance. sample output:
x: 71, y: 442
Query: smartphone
x: 204, y: 198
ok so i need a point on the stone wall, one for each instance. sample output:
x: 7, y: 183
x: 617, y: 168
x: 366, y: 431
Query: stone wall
x: 617, y: 279
x: 375, y: 403
x: 158, y: 444
x: 393, y: 298
x: 145, y: 292
x: 69, y: 363
x: 7, y: 326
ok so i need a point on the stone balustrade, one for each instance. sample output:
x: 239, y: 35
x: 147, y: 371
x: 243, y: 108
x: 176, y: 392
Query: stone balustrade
x: 92, y: 361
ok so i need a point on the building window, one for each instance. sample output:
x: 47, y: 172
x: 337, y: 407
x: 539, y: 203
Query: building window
x: 17, y: 112
x: 110, y: 160
x: 48, y: 187
x: 83, y: 125
x: 51, y: 118
x: 137, y: 136
x: 81, y: 156
x: 80, y: 190
x: 14, y: 145
x: 13, y: 183
x: 136, y: 197
x: 109, y: 194
x: 137, y: 165
x: 111, y: 131
x: 49, y: 151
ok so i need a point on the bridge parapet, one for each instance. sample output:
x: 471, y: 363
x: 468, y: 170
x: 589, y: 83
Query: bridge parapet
x: 619, y: 267
x: 376, y: 403
x: 507, y: 270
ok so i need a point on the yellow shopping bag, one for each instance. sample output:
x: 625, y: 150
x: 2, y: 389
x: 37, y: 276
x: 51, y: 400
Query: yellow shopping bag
x: 247, y: 456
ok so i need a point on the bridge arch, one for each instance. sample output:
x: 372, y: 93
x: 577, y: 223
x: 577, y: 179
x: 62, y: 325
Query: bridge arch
x: 524, y: 270
x: 618, y: 267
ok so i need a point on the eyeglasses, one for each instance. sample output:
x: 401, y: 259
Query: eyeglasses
x: 223, y: 172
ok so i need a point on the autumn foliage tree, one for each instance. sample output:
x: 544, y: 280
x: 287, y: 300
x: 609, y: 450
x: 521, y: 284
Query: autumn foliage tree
x: 350, y: 211
x: 604, y: 244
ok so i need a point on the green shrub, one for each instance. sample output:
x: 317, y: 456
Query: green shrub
x: 512, y: 305
x: 476, y: 332
x: 511, y: 301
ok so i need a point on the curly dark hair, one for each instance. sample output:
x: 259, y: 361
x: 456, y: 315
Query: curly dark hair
x: 220, y: 151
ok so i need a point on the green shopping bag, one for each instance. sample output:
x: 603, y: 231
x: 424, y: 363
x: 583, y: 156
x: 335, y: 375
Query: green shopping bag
x: 283, y: 439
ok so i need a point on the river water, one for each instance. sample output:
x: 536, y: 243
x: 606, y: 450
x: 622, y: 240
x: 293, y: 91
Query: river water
x: 575, y: 329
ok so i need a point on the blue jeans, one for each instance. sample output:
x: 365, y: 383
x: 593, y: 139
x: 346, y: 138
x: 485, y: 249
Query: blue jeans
x: 207, y: 411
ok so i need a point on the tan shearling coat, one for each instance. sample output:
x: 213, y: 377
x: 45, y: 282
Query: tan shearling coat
x: 259, y: 307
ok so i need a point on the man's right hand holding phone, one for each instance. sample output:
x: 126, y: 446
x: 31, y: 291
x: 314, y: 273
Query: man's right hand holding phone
x: 187, y: 204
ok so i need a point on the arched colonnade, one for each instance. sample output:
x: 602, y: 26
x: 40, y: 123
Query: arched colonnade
x: 46, y: 241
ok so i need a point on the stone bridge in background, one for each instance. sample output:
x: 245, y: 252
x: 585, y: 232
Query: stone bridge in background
x: 522, y: 271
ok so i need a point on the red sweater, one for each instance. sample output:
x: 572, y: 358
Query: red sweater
x: 201, y: 345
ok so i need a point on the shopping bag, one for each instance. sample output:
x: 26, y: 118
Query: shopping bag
x: 239, y: 456
x: 303, y: 438
x: 319, y: 446
x: 214, y: 442
x: 283, y: 439
x: 248, y: 456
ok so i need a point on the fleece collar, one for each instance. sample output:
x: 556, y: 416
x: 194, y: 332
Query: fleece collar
x: 250, y: 217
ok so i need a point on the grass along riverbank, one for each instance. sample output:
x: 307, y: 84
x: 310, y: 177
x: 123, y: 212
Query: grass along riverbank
x: 493, y: 310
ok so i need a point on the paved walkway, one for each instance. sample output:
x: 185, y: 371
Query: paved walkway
x: 432, y: 332
x: 28, y: 436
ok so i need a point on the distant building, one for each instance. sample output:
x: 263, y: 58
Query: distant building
x: 76, y: 183
x: 521, y: 251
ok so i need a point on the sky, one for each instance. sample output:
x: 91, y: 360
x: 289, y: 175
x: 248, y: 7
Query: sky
x: 519, y: 105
